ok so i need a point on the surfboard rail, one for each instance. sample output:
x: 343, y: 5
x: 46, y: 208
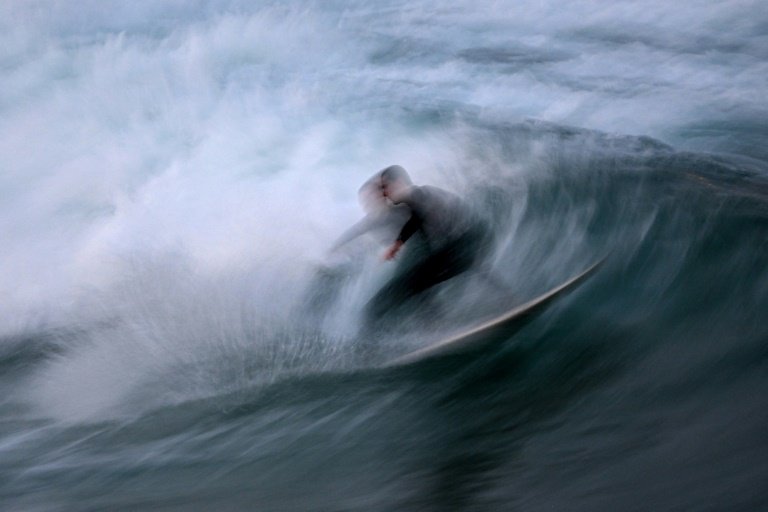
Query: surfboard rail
x: 501, y: 326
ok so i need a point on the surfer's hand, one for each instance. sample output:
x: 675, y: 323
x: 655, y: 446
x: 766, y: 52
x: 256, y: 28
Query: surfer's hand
x: 392, y: 251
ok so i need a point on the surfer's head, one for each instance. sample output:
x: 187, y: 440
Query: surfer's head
x: 370, y: 196
x: 395, y: 183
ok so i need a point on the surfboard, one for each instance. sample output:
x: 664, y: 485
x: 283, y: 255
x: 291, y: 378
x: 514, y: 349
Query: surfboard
x: 496, y: 329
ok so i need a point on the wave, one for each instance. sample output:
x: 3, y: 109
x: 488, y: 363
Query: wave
x: 685, y: 232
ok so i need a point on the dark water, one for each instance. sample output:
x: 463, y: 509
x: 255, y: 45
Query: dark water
x: 183, y: 166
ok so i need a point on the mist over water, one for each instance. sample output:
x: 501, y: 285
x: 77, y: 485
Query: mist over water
x: 172, y: 175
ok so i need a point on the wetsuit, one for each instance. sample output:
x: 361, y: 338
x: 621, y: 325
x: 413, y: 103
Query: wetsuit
x: 454, y: 239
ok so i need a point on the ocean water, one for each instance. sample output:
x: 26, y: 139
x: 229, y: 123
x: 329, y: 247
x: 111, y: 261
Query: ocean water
x: 172, y: 175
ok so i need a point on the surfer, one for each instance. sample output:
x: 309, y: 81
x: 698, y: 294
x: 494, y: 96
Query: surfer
x: 452, y: 236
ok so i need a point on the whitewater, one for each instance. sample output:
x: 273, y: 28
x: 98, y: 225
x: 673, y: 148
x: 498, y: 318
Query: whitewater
x: 173, y: 175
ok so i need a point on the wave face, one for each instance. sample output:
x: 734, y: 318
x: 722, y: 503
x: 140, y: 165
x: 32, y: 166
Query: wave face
x: 174, y: 173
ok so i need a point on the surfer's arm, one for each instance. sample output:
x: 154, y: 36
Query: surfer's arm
x: 413, y: 225
x: 393, y: 250
x: 361, y: 227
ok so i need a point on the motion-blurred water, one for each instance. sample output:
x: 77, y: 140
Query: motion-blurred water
x: 172, y: 173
